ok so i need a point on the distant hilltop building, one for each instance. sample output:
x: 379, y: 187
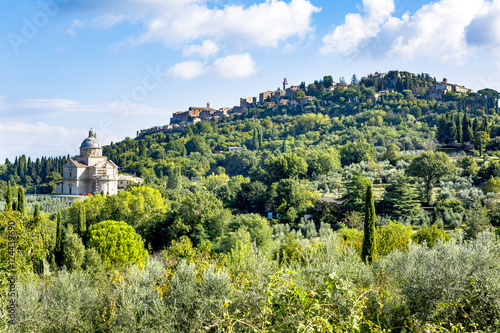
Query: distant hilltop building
x: 202, y: 113
x: 437, y: 90
x: 90, y: 172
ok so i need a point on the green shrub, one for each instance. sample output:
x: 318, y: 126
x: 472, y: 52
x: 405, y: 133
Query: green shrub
x: 430, y: 236
x: 195, y: 301
x: 351, y: 238
x: 456, y: 283
x: 290, y: 251
x: 394, y: 236
x: 67, y: 302
x: 257, y: 227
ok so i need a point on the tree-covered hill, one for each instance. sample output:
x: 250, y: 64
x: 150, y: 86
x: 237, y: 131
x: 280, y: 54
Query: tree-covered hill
x: 270, y: 237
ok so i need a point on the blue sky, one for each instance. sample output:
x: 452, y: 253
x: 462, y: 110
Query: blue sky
x: 121, y: 66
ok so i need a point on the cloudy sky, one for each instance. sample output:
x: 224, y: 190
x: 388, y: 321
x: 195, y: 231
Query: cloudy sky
x: 119, y: 66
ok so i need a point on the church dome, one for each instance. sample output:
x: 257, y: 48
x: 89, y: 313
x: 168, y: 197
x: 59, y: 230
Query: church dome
x: 91, y: 141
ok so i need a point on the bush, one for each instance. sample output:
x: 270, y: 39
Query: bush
x: 430, y: 236
x: 258, y: 228
x: 394, y: 236
x: 290, y: 251
x: 68, y: 302
x: 196, y: 301
x: 456, y: 283
x: 351, y: 238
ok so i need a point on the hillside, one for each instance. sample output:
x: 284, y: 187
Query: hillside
x: 351, y: 208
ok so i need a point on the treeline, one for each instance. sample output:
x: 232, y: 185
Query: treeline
x: 24, y: 171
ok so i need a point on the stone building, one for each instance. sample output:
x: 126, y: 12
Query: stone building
x: 90, y: 172
x: 439, y: 89
x: 125, y: 180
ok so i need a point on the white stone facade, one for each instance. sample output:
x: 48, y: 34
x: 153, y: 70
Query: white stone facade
x: 90, y: 172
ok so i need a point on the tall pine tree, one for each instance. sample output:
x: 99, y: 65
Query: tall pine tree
x: 400, y: 198
x: 369, y: 246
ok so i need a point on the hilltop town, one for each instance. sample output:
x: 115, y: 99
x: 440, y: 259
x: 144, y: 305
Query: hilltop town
x: 377, y: 85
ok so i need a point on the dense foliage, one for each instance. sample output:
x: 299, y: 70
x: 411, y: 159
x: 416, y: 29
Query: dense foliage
x: 360, y: 210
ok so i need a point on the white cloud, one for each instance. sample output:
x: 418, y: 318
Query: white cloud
x: 484, y: 29
x: 100, y: 22
x: 357, y: 28
x: 206, y: 49
x: 56, y: 108
x: 187, y: 70
x: 261, y: 25
x: 233, y: 66
x: 35, y: 128
x: 438, y: 31
x: 37, y: 139
x: 379, y: 10
x: 107, y: 21
x: 74, y: 25
x: 50, y: 104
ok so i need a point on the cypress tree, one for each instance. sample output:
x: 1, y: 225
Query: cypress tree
x: 20, y: 200
x: 8, y: 198
x: 480, y: 147
x: 82, y: 222
x: 260, y: 138
x: 468, y: 134
x: 476, y: 125
x: 35, y: 221
x: 369, y: 246
x: 452, y: 131
x: 36, y: 214
x: 53, y: 266
x: 255, y: 140
x: 58, y: 249
x: 460, y: 137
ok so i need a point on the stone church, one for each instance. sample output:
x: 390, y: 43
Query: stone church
x: 90, y: 172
